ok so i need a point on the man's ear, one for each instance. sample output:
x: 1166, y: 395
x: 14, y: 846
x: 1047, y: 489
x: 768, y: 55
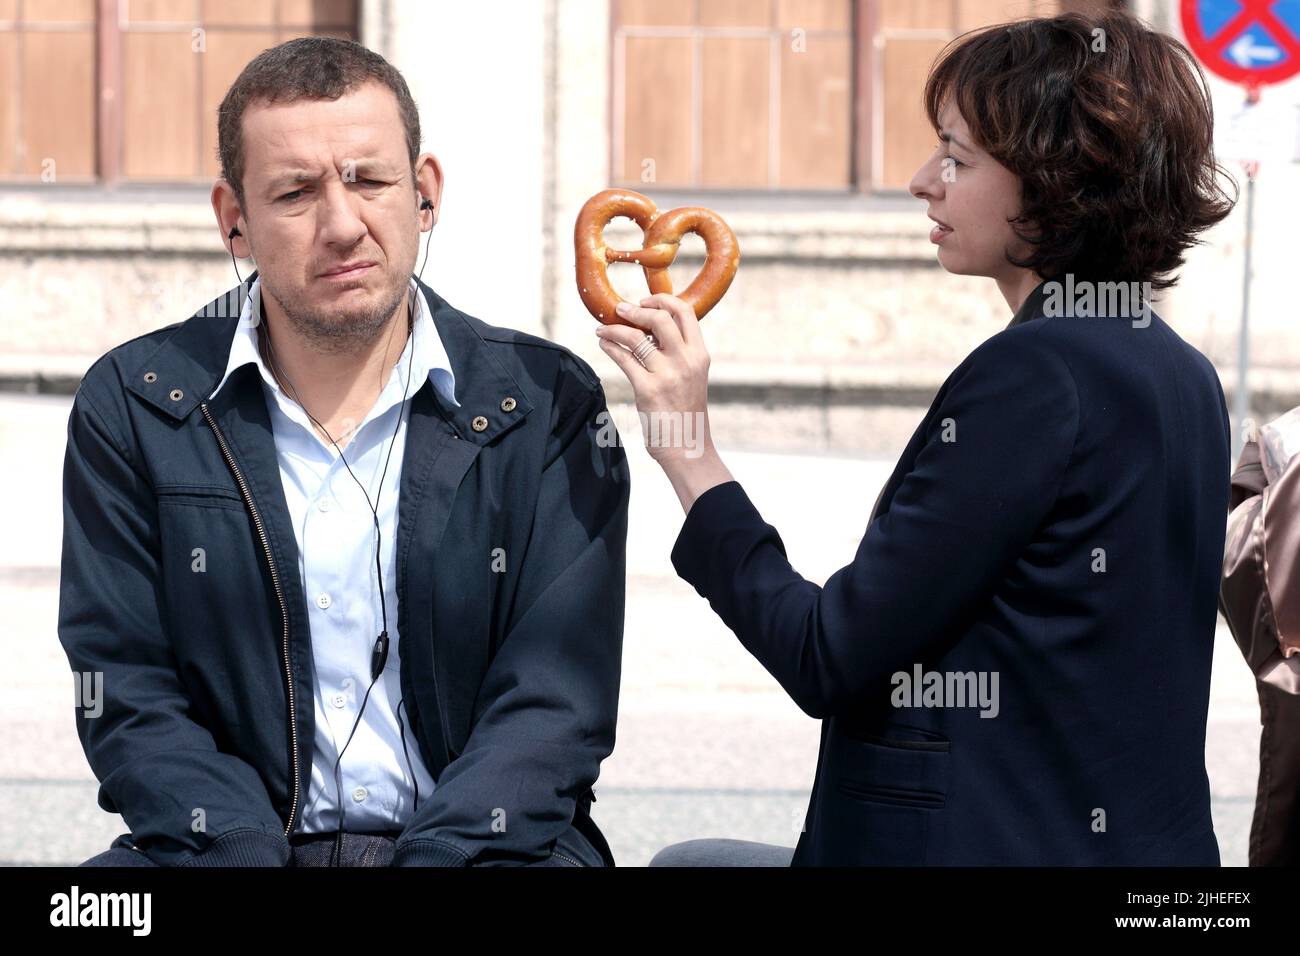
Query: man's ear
x: 428, y: 183
x: 225, y: 205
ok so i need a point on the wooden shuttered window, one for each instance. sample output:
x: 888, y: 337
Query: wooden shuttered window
x: 732, y: 93
x: 127, y: 90
x: 783, y: 94
x: 47, y: 89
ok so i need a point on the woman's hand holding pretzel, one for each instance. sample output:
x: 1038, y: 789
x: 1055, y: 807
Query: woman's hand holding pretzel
x: 671, y: 390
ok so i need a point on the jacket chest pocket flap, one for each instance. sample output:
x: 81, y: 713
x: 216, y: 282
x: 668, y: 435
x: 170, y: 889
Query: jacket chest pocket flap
x: 211, y: 557
x: 204, y: 496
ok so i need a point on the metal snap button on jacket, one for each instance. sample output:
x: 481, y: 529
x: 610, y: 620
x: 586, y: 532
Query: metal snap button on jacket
x: 479, y: 423
x: 176, y: 394
x: 507, y: 404
x: 151, y: 376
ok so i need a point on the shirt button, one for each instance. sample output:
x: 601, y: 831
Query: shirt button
x: 323, y: 504
x: 323, y: 600
x: 359, y: 794
x: 339, y: 700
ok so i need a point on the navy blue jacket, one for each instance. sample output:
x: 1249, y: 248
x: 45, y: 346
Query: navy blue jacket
x: 205, y: 739
x: 1056, y: 519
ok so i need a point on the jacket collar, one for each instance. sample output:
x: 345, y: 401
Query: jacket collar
x: 189, y: 364
x: 1061, y: 296
x: 423, y: 355
x: 1032, y: 307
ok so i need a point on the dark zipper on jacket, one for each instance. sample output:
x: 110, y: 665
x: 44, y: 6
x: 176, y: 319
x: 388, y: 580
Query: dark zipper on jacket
x: 433, y: 664
x: 568, y: 858
x: 284, y: 612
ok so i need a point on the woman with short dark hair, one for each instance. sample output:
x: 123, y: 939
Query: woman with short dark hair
x: 1015, y: 666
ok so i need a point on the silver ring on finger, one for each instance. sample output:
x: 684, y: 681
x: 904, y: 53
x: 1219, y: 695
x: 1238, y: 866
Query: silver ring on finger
x: 644, y: 348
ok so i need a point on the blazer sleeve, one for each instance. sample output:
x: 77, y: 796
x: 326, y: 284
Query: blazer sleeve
x: 1259, y: 592
x: 998, y: 444
x: 186, y: 803
x: 545, y: 715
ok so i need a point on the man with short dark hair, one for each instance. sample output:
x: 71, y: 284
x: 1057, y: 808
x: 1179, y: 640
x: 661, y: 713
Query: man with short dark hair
x: 343, y: 573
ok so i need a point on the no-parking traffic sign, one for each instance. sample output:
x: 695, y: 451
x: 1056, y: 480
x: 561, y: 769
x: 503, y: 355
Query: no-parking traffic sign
x: 1254, y: 42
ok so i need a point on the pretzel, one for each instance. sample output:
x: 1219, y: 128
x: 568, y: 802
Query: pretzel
x: 662, y: 235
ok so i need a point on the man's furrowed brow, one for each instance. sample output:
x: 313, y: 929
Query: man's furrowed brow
x: 295, y: 177
x: 291, y: 177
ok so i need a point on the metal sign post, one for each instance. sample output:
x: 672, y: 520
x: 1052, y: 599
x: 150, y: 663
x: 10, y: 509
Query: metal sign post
x: 1255, y: 43
x: 1241, y: 399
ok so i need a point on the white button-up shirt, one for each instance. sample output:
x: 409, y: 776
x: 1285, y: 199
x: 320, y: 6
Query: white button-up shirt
x: 335, y: 530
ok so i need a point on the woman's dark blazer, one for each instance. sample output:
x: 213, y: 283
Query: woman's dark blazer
x: 1057, y: 521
